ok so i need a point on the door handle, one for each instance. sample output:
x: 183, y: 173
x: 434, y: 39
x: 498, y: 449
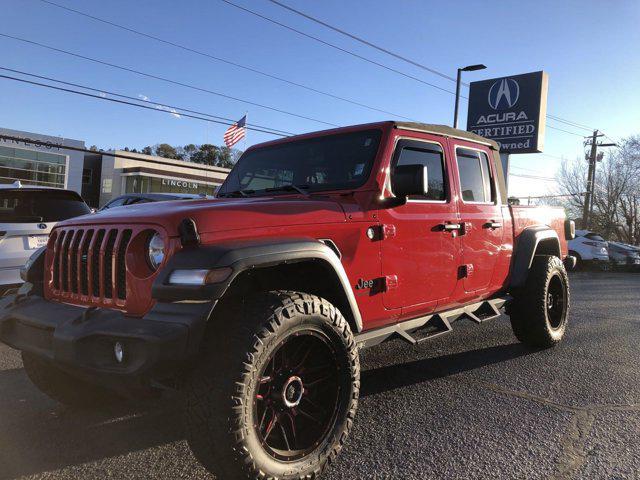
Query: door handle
x: 492, y: 225
x: 448, y: 227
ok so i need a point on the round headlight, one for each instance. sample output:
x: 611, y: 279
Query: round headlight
x: 155, y: 251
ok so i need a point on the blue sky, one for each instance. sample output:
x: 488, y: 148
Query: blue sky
x: 588, y: 48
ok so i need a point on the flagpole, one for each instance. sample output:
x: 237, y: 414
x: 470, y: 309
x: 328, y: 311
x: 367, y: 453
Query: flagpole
x: 246, y: 130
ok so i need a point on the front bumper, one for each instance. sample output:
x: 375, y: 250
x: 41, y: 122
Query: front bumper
x: 81, y: 340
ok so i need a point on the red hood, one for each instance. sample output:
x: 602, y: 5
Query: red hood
x: 213, y: 215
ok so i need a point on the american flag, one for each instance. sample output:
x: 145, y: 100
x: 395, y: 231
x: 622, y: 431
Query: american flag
x: 235, y: 132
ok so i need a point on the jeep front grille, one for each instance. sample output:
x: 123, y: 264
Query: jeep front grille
x: 90, y: 262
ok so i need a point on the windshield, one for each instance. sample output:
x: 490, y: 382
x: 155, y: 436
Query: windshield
x: 333, y: 162
x: 30, y: 206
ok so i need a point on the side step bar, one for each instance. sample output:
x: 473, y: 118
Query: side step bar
x: 425, y: 328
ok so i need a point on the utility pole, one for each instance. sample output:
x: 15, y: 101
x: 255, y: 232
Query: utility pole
x: 592, y: 169
x: 591, y: 176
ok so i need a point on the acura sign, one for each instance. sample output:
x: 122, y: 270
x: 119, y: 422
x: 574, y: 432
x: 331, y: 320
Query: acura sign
x: 511, y: 111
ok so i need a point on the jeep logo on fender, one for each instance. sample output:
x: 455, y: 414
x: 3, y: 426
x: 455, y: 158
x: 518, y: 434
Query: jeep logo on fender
x: 511, y: 111
x: 364, y: 284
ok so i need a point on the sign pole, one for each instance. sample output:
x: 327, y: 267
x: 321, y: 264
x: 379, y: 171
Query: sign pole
x: 455, y: 110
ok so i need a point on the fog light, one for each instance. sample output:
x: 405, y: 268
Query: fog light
x: 371, y: 233
x: 118, y: 351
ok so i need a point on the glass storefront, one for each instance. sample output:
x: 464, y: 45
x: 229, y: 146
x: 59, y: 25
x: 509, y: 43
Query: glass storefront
x: 145, y: 184
x: 32, y: 167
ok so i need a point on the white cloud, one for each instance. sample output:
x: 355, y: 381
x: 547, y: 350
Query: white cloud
x: 172, y: 111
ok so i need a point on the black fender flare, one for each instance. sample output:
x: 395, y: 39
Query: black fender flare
x: 525, y: 249
x: 243, y: 256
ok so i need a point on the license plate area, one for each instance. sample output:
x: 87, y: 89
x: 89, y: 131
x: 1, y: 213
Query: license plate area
x: 37, y: 241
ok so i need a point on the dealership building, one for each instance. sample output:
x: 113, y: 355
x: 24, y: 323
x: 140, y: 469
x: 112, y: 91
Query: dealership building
x: 98, y: 176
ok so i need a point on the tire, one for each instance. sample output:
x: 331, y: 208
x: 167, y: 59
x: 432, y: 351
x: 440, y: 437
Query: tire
x: 62, y: 387
x: 539, y: 313
x: 240, y: 418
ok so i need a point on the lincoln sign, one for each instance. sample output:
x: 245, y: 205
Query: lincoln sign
x: 511, y: 111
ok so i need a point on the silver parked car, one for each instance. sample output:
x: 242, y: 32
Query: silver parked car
x: 624, y: 256
x: 27, y: 215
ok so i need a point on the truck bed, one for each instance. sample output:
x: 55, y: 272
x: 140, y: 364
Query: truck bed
x: 526, y: 216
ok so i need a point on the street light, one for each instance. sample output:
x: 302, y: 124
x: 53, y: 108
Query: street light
x: 470, y: 68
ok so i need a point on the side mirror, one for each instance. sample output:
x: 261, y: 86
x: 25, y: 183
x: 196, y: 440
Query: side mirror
x: 409, y: 180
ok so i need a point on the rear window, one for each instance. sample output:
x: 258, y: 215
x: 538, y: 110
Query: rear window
x: 29, y: 206
x: 594, y: 236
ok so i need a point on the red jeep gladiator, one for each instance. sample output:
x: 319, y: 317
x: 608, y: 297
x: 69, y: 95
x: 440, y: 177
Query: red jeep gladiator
x: 256, y: 303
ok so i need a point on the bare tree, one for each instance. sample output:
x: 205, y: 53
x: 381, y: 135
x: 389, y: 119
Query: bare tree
x: 616, y: 199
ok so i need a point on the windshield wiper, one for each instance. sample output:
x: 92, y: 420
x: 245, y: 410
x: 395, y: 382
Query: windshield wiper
x: 237, y: 193
x: 289, y: 188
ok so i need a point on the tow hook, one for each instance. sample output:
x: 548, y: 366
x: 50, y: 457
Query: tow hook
x: 85, y: 315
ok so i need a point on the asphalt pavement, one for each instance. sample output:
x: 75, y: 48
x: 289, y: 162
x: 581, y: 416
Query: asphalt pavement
x: 473, y: 404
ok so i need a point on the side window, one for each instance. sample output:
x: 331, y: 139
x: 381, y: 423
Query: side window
x: 432, y: 157
x: 475, y: 175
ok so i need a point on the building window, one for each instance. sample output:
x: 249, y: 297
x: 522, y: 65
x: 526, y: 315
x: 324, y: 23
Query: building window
x: 32, y: 167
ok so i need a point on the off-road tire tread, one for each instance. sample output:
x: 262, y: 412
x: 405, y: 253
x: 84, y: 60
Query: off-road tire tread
x: 218, y: 441
x: 528, y: 313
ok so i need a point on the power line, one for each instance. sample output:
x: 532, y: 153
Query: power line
x: 569, y: 122
x: 365, y: 42
x: 525, y: 169
x: 222, y: 60
x: 328, y: 94
x: 336, y: 47
x: 248, y: 102
x: 393, y: 54
x: 141, y: 100
x: 167, y: 80
x: 299, y: 32
x: 533, y: 177
x: 114, y: 100
x: 565, y: 131
x: 579, y: 194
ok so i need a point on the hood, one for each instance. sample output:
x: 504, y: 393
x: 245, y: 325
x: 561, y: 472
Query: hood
x: 221, y: 214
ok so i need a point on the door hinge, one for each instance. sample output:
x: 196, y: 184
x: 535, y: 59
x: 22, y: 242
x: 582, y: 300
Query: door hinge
x: 390, y: 282
x: 465, y: 271
x: 388, y: 231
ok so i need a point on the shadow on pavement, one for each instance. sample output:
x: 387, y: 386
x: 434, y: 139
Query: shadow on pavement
x: 37, y: 435
x: 383, y: 379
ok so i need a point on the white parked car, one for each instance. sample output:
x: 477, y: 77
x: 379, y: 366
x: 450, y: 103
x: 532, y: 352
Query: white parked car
x: 589, y: 248
x: 27, y: 215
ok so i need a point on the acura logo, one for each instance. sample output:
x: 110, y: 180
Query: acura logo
x: 504, y: 94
